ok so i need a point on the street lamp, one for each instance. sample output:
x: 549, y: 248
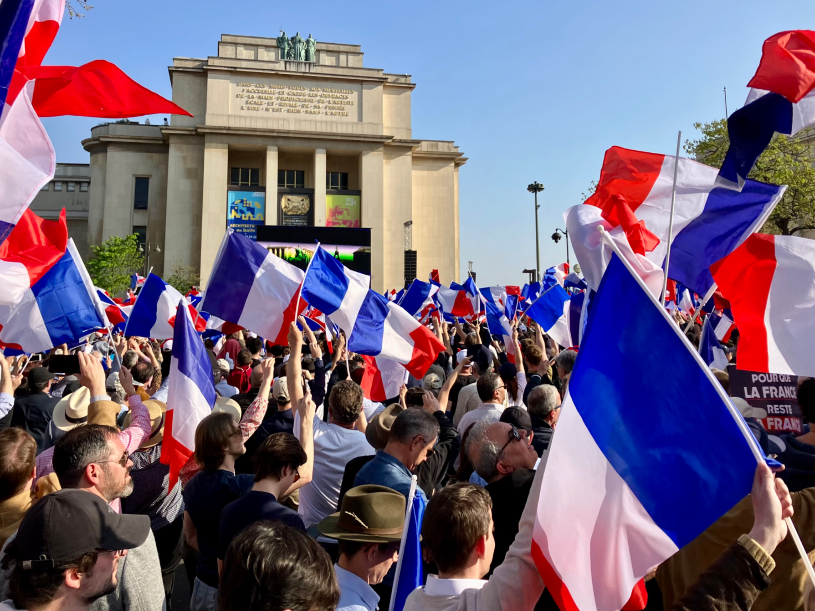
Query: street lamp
x: 150, y: 248
x: 556, y: 239
x: 536, y: 188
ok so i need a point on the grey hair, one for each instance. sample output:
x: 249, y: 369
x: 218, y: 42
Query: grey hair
x: 129, y: 359
x: 566, y: 360
x: 413, y: 423
x: 432, y: 383
x: 477, y: 370
x: 542, y: 400
x: 483, y: 452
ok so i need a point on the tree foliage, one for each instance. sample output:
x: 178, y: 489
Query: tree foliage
x: 76, y: 10
x: 183, y: 277
x: 113, y: 262
x: 786, y: 161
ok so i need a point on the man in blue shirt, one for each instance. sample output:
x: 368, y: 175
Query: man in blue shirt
x: 411, y: 441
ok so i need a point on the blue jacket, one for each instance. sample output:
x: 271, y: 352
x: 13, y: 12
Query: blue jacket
x: 385, y: 470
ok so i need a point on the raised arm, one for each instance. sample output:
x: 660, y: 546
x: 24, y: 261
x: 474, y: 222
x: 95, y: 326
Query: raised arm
x: 7, y: 386
x: 305, y: 409
x: 294, y: 368
x: 444, y: 393
x: 254, y: 414
x: 140, y: 426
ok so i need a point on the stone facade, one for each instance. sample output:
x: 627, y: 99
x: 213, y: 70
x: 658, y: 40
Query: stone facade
x: 253, y: 110
x: 70, y: 189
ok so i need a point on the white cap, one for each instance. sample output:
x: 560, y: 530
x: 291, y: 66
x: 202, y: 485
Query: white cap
x: 462, y: 354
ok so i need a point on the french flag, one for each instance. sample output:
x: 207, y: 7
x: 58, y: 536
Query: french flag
x: 631, y: 477
x: 529, y: 293
x: 117, y: 315
x: 498, y: 324
x: 251, y: 287
x: 573, y: 281
x: 550, y: 311
x: 375, y: 326
x: 61, y: 308
x: 567, y: 329
x: 710, y: 349
x: 136, y: 280
x: 191, y: 392
x: 769, y: 282
x: 722, y: 324
x: 455, y: 302
x: 418, y: 297
x: 781, y: 99
x: 634, y: 196
x: 153, y: 314
x: 382, y: 379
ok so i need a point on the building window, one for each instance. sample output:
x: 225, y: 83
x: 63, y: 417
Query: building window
x: 336, y: 180
x: 141, y: 231
x: 83, y: 187
x: 72, y: 186
x: 57, y: 185
x: 244, y: 177
x: 45, y: 186
x: 141, y: 192
x: 293, y: 179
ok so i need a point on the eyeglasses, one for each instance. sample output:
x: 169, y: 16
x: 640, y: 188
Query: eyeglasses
x: 122, y: 461
x: 514, y: 435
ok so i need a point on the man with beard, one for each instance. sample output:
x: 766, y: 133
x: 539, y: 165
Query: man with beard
x: 68, y: 552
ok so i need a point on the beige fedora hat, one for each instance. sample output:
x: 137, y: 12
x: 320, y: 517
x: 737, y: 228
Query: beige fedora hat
x: 157, y: 410
x: 224, y: 404
x: 71, y: 411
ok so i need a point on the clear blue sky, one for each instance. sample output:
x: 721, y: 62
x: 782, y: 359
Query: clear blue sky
x: 529, y: 90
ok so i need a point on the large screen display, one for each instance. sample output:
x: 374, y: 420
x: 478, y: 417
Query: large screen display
x: 246, y: 211
x: 297, y: 244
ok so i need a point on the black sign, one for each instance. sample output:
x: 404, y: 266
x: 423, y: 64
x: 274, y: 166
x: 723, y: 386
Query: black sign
x: 777, y: 394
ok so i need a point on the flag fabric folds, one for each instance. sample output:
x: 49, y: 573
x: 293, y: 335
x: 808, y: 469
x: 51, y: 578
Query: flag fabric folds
x: 722, y: 325
x: 375, y: 326
x: 153, y: 314
x: 418, y: 297
x: 117, y: 315
x: 61, y: 308
x: 549, y: 309
x: 191, y: 392
x: 409, y: 568
x: 253, y: 288
x: 382, y: 379
x: 136, y: 280
x: 709, y: 223
x: 782, y: 99
x: 624, y: 431
x: 769, y: 282
x: 710, y: 349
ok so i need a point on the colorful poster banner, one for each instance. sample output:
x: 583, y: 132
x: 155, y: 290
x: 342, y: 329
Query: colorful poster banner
x: 342, y: 211
x: 245, y: 211
x: 775, y: 393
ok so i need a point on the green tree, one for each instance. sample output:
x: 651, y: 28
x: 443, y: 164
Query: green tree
x: 113, y: 261
x: 183, y: 277
x: 786, y: 161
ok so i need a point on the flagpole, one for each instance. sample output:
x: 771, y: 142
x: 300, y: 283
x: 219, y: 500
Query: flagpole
x: 671, y: 222
x: 751, y: 441
x: 408, y: 513
x: 707, y: 297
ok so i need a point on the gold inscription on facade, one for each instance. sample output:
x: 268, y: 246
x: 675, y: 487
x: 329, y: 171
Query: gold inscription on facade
x: 268, y: 97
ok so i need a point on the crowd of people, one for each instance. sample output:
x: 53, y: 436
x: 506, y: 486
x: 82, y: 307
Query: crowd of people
x: 296, y: 494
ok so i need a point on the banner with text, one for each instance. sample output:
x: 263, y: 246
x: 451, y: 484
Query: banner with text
x: 246, y: 210
x: 775, y: 393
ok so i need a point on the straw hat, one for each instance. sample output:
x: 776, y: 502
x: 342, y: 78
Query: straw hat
x: 71, y: 411
x: 369, y: 514
x: 157, y: 411
x: 224, y: 404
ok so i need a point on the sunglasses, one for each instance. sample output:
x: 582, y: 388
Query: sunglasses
x: 122, y: 461
x: 514, y: 435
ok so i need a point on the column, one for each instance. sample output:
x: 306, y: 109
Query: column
x: 182, y: 235
x: 213, y: 208
x: 319, y: 187
x: 271, y: 185
x: 374, y: 214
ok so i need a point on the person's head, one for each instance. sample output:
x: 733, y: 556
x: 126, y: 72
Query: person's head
x: 280, y: 392
x: 271, y: 566
x: 92, y: 457
x: 565, y: 362
x: 217, y: 437
x: 497, y: 449
x: 209, y: 345
x: 457, y: 530
x: 509, y: 375
x: 806, y: 399
x: 533, y: 355
x: 129, y: 359
x: 276, y: 351
x: 723, y: 377
x: 18, y: 452
x: 244, y: 358
x: 223, y: 368
x: 468, y: 368
x: 68, y: 547
x: 482, y: 361
x: 256, y: 377
x: 412, y: 437
x: 142, y: 372
x: 432, y: 383
x: 491, y: 388
x: 307, y: 365
x: 254, y: 345
x: 517, y: 417
x: 40, y: 380
x: 278, y: 458
x: 345, y: 402
x: 544, y: 403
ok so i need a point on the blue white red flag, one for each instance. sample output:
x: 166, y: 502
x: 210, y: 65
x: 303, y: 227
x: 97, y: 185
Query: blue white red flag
x: 633, y: 198
x: 624, y: 431
x: 418, y: 297
x: 455, y: 302
x: 409, y: 567
x: 782, y: 99
x: 549, y: 308
x: 375, y: 326
x: 116, y: 314
x: 136, y: 280
x: 710, y: 349
x: 382, y: 379
x: 566, y: 331
x: 191, y: 393
x: 722, y: 324
x: 498, y: 324
x: 573, y: 281
x: 251, y: 287
x: 61, y: 308
x: 769, y: 282
x: 153, y: 314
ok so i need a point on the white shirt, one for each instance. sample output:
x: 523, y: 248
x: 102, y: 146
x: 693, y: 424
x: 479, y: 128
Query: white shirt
x: 451, y: 587
x: 334, y: 446
x: 519, y: 402
x: 355, y: 594
x: 485, y: 411
x: 371, y: 408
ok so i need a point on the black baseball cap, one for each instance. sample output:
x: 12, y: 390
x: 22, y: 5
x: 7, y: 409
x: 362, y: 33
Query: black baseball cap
x: 38, y: 375
x: 67, y: 524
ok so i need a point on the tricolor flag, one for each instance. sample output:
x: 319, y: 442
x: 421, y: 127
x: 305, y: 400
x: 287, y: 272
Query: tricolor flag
x: 153, y: 314
x: 191, y: 393
x: 117, y: 315
x: 769, y: 282
x: 382, y: 379
x: 455, y: 302
x: 782, y: 99
x: 650, y: 479
x: 710, y: 349
x: 251, y: 287
x: 549, y: 309
x: 573, y: 281
x: 418, y: 296
x: 566, y: 330
x: 634, y: 197
x: 722, y: 324
x: 375, y: 326
x: 498, y: 324
x: 61, y: 308
x: 136, y: 280
x: 409, y: 566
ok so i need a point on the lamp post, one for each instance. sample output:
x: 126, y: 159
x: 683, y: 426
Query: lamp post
x: 147, y: 249
x: 556, y: 239
x: 536, y: 188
